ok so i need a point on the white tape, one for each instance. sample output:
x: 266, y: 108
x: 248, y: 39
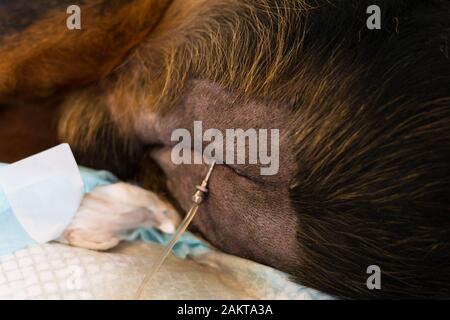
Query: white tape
x: 44, y: 192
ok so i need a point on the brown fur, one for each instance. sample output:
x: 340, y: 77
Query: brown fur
x: 47, y: 56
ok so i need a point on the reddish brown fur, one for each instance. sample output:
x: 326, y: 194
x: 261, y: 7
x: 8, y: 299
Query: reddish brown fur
x: 47, y: 56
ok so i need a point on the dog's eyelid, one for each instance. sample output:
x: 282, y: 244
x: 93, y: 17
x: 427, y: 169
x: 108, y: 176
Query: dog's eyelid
x: 249, y: 172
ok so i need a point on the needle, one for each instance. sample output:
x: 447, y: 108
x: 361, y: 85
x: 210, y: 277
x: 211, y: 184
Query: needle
x: 197, y: 198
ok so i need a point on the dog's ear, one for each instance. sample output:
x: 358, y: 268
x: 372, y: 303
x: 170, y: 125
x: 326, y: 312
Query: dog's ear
x: 46, y: 56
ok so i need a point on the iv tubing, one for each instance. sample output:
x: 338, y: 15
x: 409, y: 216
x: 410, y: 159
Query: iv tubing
x: 197, y: 198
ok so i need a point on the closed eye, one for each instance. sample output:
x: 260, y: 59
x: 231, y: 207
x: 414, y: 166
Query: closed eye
x: 249, y: 172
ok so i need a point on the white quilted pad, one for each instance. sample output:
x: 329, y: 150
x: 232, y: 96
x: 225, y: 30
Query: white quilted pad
x: 56, y: 271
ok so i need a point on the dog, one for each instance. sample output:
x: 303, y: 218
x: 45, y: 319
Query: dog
x: 364, y: 120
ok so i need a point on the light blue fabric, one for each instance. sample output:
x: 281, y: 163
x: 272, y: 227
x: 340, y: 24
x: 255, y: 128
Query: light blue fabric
x: 93, y: 178
x: 188, y: 245
x: 12, y: 235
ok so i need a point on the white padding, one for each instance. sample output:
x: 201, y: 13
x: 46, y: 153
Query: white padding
x: 44, y: 192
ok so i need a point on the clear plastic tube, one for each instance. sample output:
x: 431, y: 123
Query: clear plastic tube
x: 197, y: 198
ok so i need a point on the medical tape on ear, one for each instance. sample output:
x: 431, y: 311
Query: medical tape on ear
x: 44, y: 192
